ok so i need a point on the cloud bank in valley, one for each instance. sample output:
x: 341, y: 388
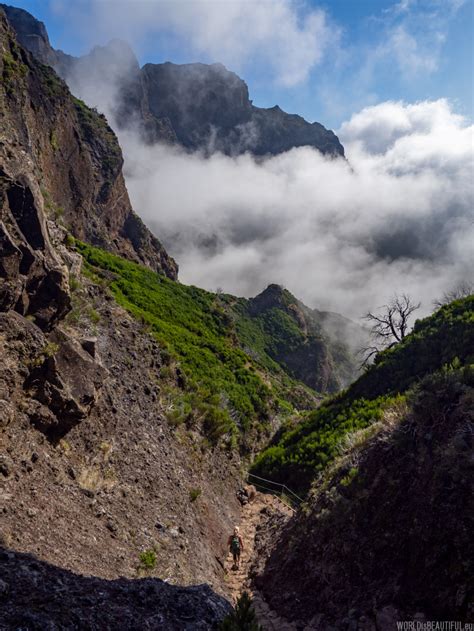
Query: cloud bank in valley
x: 397, y: 216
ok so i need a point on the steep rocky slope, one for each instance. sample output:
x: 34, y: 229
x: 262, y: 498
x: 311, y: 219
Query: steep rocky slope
x: 31, y: 34
x: 201, y: 107
x: 59, y: 155
x: 386, y: 536
x: 92, y: 474
x: 126, y: 399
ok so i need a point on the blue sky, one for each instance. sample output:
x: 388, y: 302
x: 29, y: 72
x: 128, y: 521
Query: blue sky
x: 322, y: 59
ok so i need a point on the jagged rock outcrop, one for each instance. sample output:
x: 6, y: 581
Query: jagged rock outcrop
x: 199, y: 106
x: 33, y: 280
x: 58, y: 158
x: 31, y: 34
x: 62, y: 381
x: 66, y: 381
x: 209, y: 109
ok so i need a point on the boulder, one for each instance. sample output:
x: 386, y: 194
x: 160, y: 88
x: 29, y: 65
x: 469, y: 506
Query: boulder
x: 64, y: 387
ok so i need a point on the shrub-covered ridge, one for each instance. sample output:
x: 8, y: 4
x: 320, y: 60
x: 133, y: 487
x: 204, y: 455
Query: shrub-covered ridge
x: 298, y: 454
x: 385, y: 535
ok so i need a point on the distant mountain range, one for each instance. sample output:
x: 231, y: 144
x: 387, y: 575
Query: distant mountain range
x: 199, y: 106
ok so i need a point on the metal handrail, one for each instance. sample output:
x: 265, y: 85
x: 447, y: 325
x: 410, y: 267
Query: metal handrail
x: 296, y: 498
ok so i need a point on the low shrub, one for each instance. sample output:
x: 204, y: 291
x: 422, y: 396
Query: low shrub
x: 194, y: 494
x: 243, y: 618
x: 148, y: 559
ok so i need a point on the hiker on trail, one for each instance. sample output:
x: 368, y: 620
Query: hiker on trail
x: 236, y: 545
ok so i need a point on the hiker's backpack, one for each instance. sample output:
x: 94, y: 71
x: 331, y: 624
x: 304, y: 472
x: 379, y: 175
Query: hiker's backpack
x: 235, y: 545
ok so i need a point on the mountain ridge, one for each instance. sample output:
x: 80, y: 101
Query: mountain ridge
x: 202, y: 107
x: 78, y: 178
x: 394, y: 513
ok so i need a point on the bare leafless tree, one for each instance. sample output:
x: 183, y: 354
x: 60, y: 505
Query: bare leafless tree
x: 389, y: 325
x: 462, y: 290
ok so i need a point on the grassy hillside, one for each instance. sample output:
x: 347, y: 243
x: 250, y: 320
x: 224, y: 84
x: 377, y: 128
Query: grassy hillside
x: 299, y: 454
x: 217, y: 368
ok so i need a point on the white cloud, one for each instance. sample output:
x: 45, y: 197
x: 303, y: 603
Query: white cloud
x: 282, y: 38
x: 340, y: 235
x: 413, y: 35
x: 412, y: 56
x: 380, y: 127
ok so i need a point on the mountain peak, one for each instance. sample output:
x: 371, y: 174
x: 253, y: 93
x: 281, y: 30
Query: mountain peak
x: 272, y: 296
x: 30, y: 32
x: 117, y: 50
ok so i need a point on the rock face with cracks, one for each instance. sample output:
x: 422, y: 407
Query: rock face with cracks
x: 59, y: 159
x: 33, y: 280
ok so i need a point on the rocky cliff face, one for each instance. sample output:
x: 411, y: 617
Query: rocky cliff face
x: 199, y: 106
x: 31, y: 34
x: 60, y: 159
x: 209, y: 109
x: 91, y: 473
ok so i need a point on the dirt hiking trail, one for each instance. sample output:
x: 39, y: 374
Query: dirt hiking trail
x: 238, y: 580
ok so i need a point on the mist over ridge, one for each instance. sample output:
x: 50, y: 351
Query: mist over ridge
x: 341, y: 235
x: 219, y: 444
x: 397, y: 216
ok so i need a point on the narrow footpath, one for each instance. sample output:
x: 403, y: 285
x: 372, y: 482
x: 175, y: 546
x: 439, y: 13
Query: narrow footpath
x: 238, y: 580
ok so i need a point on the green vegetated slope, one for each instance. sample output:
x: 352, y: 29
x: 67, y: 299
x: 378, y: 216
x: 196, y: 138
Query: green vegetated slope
x: 227, y: 381
x: 306, y: 342
x: 394, y: 513
x: 298, y: 454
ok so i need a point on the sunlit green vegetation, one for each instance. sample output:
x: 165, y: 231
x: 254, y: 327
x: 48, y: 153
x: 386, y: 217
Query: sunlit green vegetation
x: 434, y: 342
x: 219, y: 370
x: 220, y: 386
x: 299, y: 454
